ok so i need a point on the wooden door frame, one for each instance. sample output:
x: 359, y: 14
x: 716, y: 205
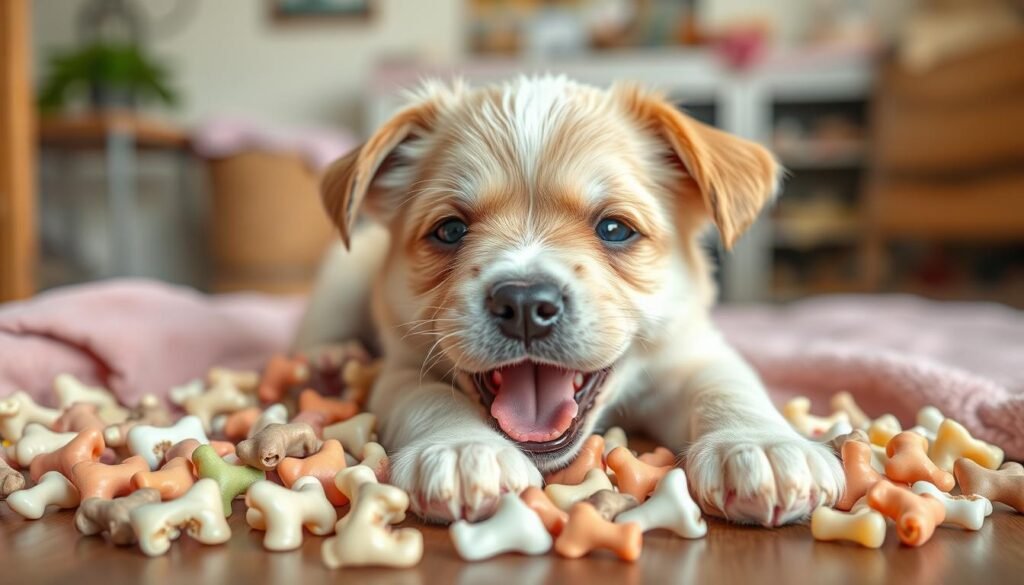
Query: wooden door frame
x: 17, y: 154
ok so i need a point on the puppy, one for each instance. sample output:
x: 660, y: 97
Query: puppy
x: 539, y: 277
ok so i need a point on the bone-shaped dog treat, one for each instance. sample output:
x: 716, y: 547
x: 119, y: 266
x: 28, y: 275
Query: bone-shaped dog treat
x: 97, y: 515
x: 353, y: 433
x: 855, y: 435
x: 18, y: 410
x: 233, y: 480
x: 514, y: 527
x: 148, y: 411
x: 374, y: 457
x: 952, y: 441
x: 840, y: 429
x: 199, y: 513
x: 564, y: 496
x: 78, y: 417
x: 70, y: 390
x: 916, y: 516
x: 86, y: 446
x: 798, y: 412
x: 364, y: 537
x: 359, y: 377
x: 237, y: 424
x: 324, y: 466
x: 99, y: 480
x: 844, y: 402
x: 11, y: 480
x: 283, y: 512
x: 179, y: 394
x: 273, y: 414
x: 36, y: 441
x: 244, y: 380
x: 550, y: 515
x: 930, y: 418
x: 152, y: 442
x: 281, y: 373
x: 615, y: 437
x: 172, y: 481
x: 1005, y: 485
x: 883, y: 429
x: 860, y: 475
x: 335, y: 410
x: 908, y: 462
x: 268, y: 447
x: 669, y: 507
x: 610, y: 503
x: 633, y: 476
x: 188, y: 446
x: 587, y: 531
x: 316, y: 419
x: 53, y: 489
x: 591, y: 456
x: 865, y: 526
x: 967, y: 512
x: 224, y: 398
x: 351, y: 479
x: 660, y: 457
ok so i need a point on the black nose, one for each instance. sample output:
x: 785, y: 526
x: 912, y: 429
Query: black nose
x: 525, y: 311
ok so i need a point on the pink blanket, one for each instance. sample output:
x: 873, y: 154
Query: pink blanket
x: 894, y: 354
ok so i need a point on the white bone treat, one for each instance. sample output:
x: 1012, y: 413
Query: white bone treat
x: 37, y: 440
x: 223, y: 398
x: 275, y: 414
x: 179, y: 394
x: 798, y: 412
x: 364, y: 537
x: 564, y: 496
x: 514, y: 527
x: 349, y: 480
x: 953, y: 441
x: 374, y: 457
x: 844, y: 402
x: 837, y: 430
x: 18, y: 411
x: 70, y: 390
x: 199, y: 513
x: 354, y: 433
x: 615, y: 437
x: 53, y: 489
x: 967, y: 512
x: 669, y: 507
x: 283, y: 512
x: 930, y: 418
x: 152, y: 442
x: 924, y: 432
x: 863, y: 526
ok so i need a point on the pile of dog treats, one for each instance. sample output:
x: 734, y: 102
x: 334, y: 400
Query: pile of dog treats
x: 909, y: 477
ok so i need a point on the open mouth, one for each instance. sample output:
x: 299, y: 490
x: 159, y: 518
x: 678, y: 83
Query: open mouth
x: 539, y: 406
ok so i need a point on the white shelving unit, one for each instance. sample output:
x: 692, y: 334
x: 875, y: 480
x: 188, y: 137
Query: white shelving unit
x: 741, y: 101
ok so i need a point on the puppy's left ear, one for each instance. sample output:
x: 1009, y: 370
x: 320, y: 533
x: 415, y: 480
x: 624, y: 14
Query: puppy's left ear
x: 735, y: 177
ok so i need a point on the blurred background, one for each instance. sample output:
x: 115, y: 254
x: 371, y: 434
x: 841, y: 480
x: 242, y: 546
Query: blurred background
x: 182, y: 139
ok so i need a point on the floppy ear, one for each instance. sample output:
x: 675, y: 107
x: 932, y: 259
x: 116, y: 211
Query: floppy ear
x: 735, y: 177
x: 349, y: 181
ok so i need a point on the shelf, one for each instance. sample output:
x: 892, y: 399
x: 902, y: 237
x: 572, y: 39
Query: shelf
x: 821, y: 155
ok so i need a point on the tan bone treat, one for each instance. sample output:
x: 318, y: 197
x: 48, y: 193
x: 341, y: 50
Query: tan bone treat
x: 365, y: 538
x: 798, y: 412
x: 11, y: 480
x: 283, y: 512
x: 199, y: 513
x: 564, y: 496
x: 18, y: 411
x: 269, y: 446
x: 97, y: 515
x: 952, y: 441
x: 224, y: 398
x: 70, y: 390
x: 353, y: 433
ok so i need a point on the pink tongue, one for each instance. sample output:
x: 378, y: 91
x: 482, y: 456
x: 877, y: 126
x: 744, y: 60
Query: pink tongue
x: 535, y: 403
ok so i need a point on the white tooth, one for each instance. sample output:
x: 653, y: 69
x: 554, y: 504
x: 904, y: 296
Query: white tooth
x: 578, y: 380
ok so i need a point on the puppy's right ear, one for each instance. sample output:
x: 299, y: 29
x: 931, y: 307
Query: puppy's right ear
x: 348, y: 183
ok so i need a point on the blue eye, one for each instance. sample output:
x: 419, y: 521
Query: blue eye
x: 450, y: 230
x: 614, y: 230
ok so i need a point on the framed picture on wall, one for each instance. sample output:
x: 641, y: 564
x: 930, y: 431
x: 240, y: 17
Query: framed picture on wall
x: 313, y: 10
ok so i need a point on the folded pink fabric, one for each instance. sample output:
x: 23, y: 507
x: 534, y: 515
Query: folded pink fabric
x: 136, y: 336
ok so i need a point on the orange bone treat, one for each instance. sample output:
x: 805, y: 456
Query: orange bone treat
x: 908, y: 462
x: 635, y: 477
x: 916, y: 516
x: 586, y: 531
x: 589, y: 457
x: 860, y: 476
x: 86, y: 446
x: 324, y: 466
x: 79, y: 417
x: 281, y: 373
x: 316, y: 419
x: 98, y: 480
x: 660, y: 457
x: 238, y: 423
x: 336, y: 410
x: 173, y: 480
x: 553, y: 518
x: 1005, y: 485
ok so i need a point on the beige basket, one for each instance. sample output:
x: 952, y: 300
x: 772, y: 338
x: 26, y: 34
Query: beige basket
x: 269, y: 230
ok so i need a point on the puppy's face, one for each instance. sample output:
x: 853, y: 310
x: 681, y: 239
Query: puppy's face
x: 542, y: 232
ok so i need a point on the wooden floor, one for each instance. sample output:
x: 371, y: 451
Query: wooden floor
x: 51, y: 551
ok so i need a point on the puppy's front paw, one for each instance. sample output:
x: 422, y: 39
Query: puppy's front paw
x: 767, y: 478
x: 460, y: 480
